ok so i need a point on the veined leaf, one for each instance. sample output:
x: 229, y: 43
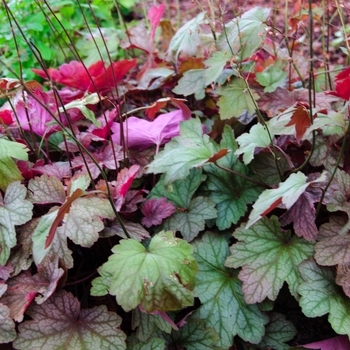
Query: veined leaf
x: 14, y: 210
x: 187, y: 38
x: 60, y: 324
x: 320, y: 295
x: 9, y: 171
x: 223, y: 306
x: 245, y: 34
x: 150, y: 344
x: 191, y: 214
x: 269, y: 256
x: 258, y: 137
x: 161, y: 277
x: 192, y: 82
x: 287, y: 193
x: 230, y: 192
x: 189, y: 150
x: 272, y: 77
x: 7, y: 326
x: 235, y: 98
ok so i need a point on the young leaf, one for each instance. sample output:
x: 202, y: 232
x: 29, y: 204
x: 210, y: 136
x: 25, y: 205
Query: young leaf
x: 258, y: 137
x: 9, y: 171
x: 245, y: 34
x: 14, y: 210
x: 61, y: 324
x: 278, y: 331
x: 271, y: 77
x: 287, y: 193
x: 235, y: 99
x: 218, y: 288
x: 187, y: 38
x: 320, y: 295
x: 231, y: 193
x: 7, y: 326
x: 195, y: 335
x: 190, y: 149
x: 269, y: 257
x: 155, y: 210
x: 161, y: 277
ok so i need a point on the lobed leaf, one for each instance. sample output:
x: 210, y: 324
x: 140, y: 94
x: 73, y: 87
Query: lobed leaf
x: 60, y: 324
x: 269, y: 257
x: 218, y: 288
x: 14, y: 210
x: 320, y: 295
x: 161, y: 277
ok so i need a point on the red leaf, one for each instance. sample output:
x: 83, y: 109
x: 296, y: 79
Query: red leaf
x: 218, y: 155
x: 154, y: 15
x: 6, y: 117
x: 155, y: 210
x: 272, y: 207
x: 342, y: 85
x: 162, y: 102
x: 301, y: 120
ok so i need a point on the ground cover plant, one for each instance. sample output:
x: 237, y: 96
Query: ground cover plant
x: 190, y: 192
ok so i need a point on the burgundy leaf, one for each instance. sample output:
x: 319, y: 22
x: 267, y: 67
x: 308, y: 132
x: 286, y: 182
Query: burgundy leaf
x: 142, y: 134
x: 132, y: 198
x: 303, y: 216
x: 58, y: 169
x: 155, y: 210
x: 5, y: 271
x: 102, y: 132
x: 343, y: 278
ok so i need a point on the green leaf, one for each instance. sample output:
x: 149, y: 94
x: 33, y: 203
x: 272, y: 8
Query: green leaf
x: 269, y: 256
x: 151, y: 344
x: 272, y: 77
x: 191, y: 220
x: 59, y: 324
x: 230, y: 192
x: 8, y: 168
x: 215, y: 65
x: 187, y: 38
x: 161, y: 277
x: 147, y: 323
x: 14, y: 210
x: 218, y: 288
x: 191, y: 214
x: 320, y: 295
x: 81, y: 105
x: 244, y: 35
x: 189, y: 150
x: 195, y: 335
x: 287, y: 193
x: 235, y: 98
x: 192, y: 82
x: 258, y: 136
x: 278, y: 331
x: 7, y: 326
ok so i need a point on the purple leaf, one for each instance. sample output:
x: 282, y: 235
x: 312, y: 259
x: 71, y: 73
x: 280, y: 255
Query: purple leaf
x: 341, y: 342
x: 155, y: 210
x: 143, y: 134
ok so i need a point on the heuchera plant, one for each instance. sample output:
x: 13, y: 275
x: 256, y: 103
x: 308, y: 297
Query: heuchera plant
x: 161, y: 225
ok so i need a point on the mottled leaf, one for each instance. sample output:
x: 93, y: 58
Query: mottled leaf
x: 278, y: 331
x: 218, y: 288
x: 320, y: 296
x: 269, y: 256
x: 161, y: 277
x: 14, y: 210
x: 7, y: 326
x: 60, y: 324
x: 150, y: 344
